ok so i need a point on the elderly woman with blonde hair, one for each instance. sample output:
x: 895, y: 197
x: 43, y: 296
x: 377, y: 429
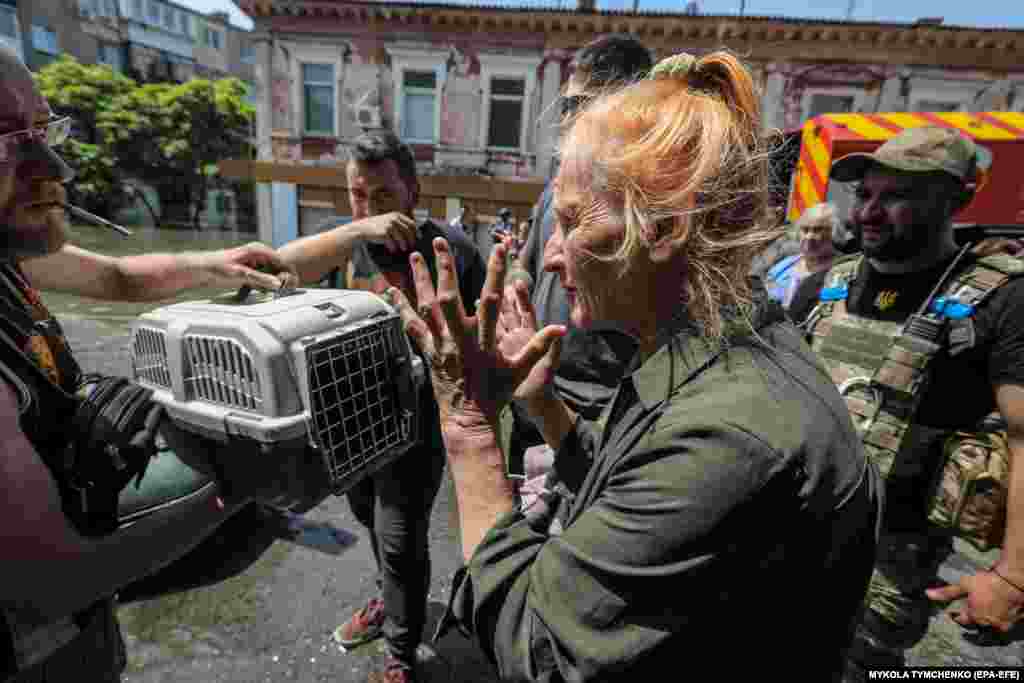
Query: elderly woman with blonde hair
x: 720, y: 511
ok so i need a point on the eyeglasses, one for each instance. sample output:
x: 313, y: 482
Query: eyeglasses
x: 52, y: 134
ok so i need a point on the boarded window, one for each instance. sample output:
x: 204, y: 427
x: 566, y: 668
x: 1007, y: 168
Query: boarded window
x: 507, y: 98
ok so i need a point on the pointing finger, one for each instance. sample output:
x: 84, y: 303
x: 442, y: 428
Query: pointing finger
x: 491, y: 296
x: 414, y: 326
x: 527, y: 313
x: 448, y: 296
x: 426, y: 298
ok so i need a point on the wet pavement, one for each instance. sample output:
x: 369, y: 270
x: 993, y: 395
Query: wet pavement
x: 274, y: 621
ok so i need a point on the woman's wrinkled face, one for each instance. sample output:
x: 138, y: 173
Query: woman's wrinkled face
x: 588, y: 224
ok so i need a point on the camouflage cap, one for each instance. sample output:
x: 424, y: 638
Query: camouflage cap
x: 917, y: 150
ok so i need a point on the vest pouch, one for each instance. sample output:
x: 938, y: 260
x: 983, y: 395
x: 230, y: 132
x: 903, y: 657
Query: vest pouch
x: 970, y: 492
x: 905, y: 368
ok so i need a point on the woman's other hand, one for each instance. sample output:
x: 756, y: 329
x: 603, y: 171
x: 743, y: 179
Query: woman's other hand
x: 477, y: 363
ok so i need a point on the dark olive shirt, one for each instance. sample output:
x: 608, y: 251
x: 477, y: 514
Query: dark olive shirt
x: 717, y: 514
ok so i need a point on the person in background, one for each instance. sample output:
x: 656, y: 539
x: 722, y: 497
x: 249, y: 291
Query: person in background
x: 371, y: 253
x: 52, y: 628
x: 815, y: 228
x: 589, y: 370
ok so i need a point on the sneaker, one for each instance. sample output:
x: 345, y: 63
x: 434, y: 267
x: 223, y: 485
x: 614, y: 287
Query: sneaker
x: 363, y: 626
x: 395, y: 672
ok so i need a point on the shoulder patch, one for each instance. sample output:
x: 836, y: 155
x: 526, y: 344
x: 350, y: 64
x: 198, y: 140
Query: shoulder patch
x: 842, y: 271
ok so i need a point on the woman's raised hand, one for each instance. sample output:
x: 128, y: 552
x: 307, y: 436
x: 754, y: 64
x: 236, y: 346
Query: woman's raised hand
x: 477, y: 363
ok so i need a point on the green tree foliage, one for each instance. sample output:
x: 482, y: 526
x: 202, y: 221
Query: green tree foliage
x: 165, y: 134
x: 83, y: 92
x: 176, y: 133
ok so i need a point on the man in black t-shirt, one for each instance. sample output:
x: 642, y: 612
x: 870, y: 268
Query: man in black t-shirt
x: 908, y: 192
x: 372, y: 253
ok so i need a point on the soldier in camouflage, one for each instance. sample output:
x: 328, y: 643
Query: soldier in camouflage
x: 924, y: 340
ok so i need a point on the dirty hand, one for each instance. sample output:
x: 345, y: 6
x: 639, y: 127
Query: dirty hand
x: 394, y: 230
x: 476, y: 362
x: 254, y: 264
x: 991, y: 601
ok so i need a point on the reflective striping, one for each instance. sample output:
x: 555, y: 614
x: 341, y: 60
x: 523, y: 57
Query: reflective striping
x: 861, y: 126
x: 809, y: 196
x: 818, y: 148
x: 828, y: 136
x: 935, y: 120
x: 901, y: 120
x: 883, y: 124
x: 1005, y: 121
x: 976, y: 126
x: 812, y: 170
x: 796, y: 206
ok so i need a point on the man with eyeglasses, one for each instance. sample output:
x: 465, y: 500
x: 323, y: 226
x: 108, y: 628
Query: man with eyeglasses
x: 57, y: 620
x: 588, y: 372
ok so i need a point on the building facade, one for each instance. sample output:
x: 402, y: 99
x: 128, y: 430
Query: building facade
x: 146, y: 39
x: 10, y: 27
x: 475, y: 88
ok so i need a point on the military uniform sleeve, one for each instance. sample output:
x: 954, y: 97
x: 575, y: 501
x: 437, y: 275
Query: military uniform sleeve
x: 594, y: 599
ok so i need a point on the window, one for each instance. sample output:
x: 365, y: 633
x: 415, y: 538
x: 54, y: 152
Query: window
x: 111, y: 55
x: 247, y: 52
x: 505, y: 126
x: 831, y: 104
x: 508, y: 82
x: 419, y: 95
x: 185, y: 24
x: 318, y: 98
x: 8, y: 22
x: 213, y: 38
x: 936, y: 105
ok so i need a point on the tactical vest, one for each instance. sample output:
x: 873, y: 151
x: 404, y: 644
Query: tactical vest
x: 882, y: 368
